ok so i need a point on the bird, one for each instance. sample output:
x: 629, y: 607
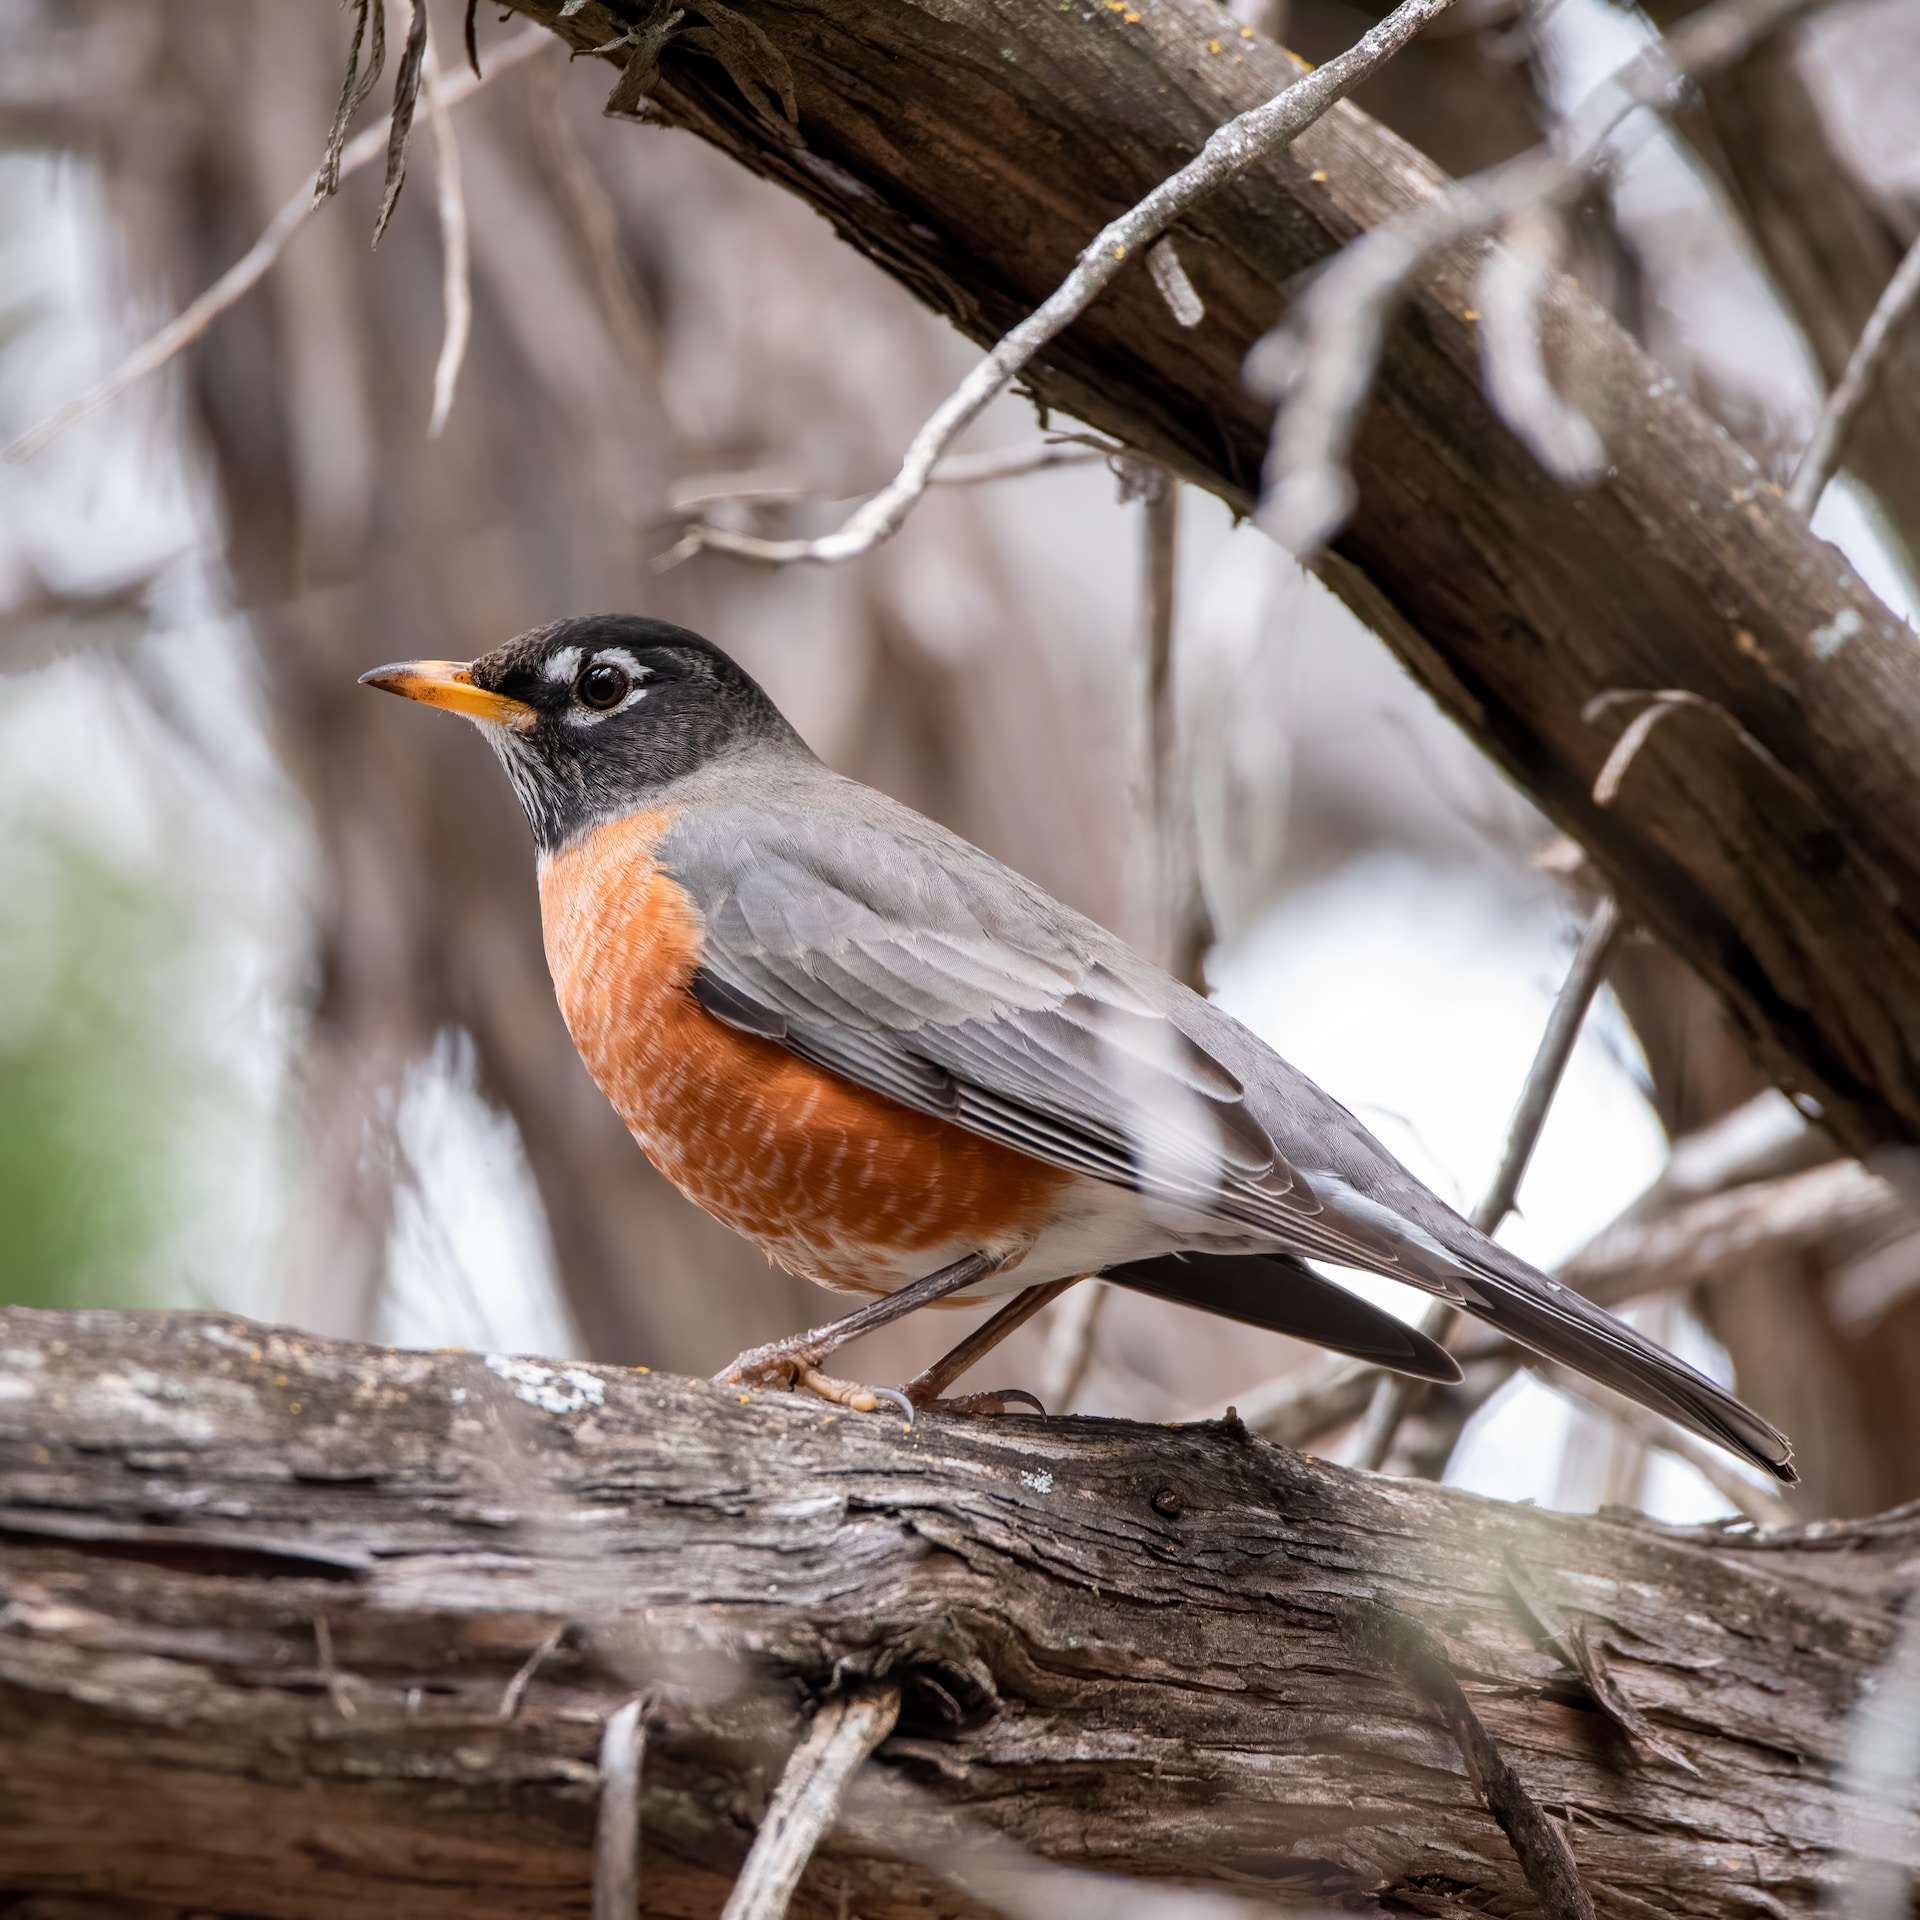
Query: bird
x: 907, y: 1072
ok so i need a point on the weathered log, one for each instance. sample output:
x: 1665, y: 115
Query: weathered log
x: 279, y: 1639
x: 971, y: 150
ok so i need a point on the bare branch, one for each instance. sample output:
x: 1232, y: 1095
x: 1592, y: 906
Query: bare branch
x: 1320, y: 362
x: 843, y: 1734
x: 616, y: 1834
x: 1711, y: 1237
x: 247, y: 272
x: 1511, y: 282
x: 1396, y: 1393
x: 516, y: 1688
x: 456, y: 253
x: 1863, y: 368
x: 1228, y: 153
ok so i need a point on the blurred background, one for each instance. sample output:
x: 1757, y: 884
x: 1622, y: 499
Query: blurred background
x: 276, y: 1033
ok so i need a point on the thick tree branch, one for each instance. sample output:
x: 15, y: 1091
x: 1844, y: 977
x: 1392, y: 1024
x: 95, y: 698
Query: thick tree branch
x: 1136, y: 1649
x: 973, y: 154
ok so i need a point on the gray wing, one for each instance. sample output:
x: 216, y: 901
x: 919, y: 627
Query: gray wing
x: 887, y: 951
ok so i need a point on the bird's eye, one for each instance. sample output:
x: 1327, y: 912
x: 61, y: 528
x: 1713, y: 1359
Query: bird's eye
x: 602, y: 687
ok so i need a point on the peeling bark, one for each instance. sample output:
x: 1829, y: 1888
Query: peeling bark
x: 272, y: 1606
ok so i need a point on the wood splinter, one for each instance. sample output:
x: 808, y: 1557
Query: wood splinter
x: 806, y: 1802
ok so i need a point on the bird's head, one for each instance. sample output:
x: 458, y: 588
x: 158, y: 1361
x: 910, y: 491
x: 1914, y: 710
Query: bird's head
x: 592, y: 717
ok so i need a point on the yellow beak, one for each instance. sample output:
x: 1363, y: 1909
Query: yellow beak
x: 449, y: 684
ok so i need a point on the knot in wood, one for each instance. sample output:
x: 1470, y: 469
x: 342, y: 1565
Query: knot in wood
x: 1166, y: 1502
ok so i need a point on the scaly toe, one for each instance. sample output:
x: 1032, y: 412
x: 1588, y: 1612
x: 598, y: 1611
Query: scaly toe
x: 853, y: 1396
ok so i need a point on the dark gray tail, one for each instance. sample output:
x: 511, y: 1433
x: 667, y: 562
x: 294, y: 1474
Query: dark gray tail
x: 1553, y: 1320
x: 1274, y: 1291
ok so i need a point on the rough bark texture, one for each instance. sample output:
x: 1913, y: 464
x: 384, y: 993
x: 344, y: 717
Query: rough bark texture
x: 971, y: 148
x: 265, y: 1597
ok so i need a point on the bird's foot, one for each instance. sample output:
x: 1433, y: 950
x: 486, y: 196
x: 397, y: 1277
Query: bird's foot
x: 793, y: 1365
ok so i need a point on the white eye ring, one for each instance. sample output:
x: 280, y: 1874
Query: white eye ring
x: 581, y: 715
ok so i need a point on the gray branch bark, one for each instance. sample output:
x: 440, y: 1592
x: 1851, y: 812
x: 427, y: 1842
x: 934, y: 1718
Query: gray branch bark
x: 276, y: 1621
x: 972, y: 153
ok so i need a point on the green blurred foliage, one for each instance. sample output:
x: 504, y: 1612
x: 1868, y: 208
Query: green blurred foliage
x: 96, y: 1092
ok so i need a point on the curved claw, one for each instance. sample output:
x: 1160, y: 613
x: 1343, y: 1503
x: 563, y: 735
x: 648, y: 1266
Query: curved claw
x: 992, y: 1402
x: 895, y: 1397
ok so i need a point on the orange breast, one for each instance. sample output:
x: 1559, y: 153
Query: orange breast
x: 834, y: 1182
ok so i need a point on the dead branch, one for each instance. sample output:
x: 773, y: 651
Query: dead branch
x: 1707, y: 1239
x: 1228, y: 153
x: 1089, y: 1671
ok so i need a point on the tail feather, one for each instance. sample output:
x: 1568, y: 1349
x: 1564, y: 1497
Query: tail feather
x: 1541, y: 1314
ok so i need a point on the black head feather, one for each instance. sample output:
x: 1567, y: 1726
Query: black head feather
x: 621, y: 708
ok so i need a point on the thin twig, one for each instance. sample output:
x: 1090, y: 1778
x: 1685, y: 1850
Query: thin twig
x: 516, y: 1688
x: 1396, y: 1393
x: 843, y: 1734
x: 616, y: 1833
x: 1070, y: 1340
x: 1863, y: 369
x: 1320, y: 361
x: 247, y: 272
x: 1545, y: 1859
x: 1228, y: 153
x: 457, y: 275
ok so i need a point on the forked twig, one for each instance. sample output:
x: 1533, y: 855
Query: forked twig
x: 616, y: 1832
x: 1228, y: 153
x: 1320, y: 361
x: 843, y: 1734
x: 1863, y: 369
x: 247, y: 272
x: 1395, y: 1394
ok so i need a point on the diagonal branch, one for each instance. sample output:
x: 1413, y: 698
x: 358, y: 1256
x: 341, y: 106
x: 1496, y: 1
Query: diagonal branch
x: 1228, y: 153
x: 1864, y: 367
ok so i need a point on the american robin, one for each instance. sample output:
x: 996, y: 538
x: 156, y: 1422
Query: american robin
x: 904, y: 1070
